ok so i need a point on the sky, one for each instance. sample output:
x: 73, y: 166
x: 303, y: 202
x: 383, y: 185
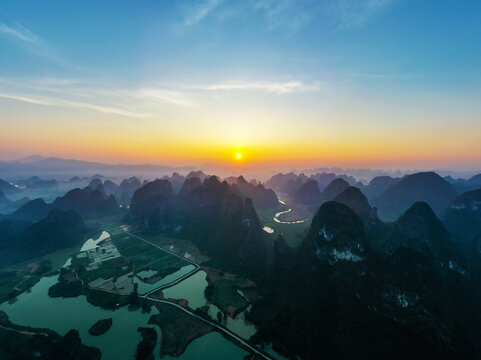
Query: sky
x: 391, y: 84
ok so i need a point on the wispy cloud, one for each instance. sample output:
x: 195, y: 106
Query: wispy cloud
x: 35, y: 45
x: 172, y: 97
x: 199, y: 11
x: 382, y: 76
x: 140, y: 102
x: 20, y: 33
x: 270, y: 87
x: 144, y: 101
x: 45, y: 101
x: 356, y: 13
x: 288, y: 14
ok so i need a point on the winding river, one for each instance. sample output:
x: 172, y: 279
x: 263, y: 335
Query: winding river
x: 277, y: 220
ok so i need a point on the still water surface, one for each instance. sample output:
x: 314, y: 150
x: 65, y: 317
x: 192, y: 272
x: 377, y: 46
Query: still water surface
x: 37, y: 309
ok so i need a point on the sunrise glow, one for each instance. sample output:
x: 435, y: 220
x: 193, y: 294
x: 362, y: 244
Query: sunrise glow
x: 295, y: 103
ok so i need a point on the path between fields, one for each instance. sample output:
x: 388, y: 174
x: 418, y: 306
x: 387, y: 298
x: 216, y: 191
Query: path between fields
x: 191, y: 313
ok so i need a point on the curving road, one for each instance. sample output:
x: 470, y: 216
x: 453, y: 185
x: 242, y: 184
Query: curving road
x: 220, y: 328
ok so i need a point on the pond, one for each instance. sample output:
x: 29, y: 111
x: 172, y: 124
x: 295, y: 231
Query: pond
x: 144, y: 287
x: 191, y: 289
x: 268, y: 229
x: 37, y: 309
x: 239, y: 325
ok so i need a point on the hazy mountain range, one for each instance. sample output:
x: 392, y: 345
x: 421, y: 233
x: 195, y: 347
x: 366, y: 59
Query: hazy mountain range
x: 40, y: 165
x: 408, y: 279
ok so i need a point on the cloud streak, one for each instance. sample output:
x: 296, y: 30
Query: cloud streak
x: 73, y: 104
x: 356, y: 13
x: 141, y: 102
x: 35, y: 45
x: 382, y: 76
x: 20, y: 33
x: 290, y: 15
x: 198, y: 12
x: 280, y: 88
x: 156, y: 94
x: 283, y: 14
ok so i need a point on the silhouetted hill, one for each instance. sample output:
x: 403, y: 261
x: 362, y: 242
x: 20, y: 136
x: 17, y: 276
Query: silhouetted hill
x: 419, y: 300
x: 75, y: 179
x: 278, y: 181
x: 355, y: 199
x: 7, y: 205
x: 332, y: 190
x: 289, y: 183
x: 150, y: 201
x: 474, y: 181
x: 3, y: 200
x: 7, y: 188
x: 337, y: 234
x: 130, y: 185
x: 419, y: 229
x: 378, y: 185
x: 308, y: 194
x: 87, y: 202
x: 32, y: 211
x: 176, y: 180
x: 189, y: 186
x: 319, y: 301
x: 94, y: 183
x: 261, y: 197
x: 210, y: 214
x: 324, y: 179
x: 60, y: 229
x: 463, y: 219
x: 223, y: 225
x: 198, y: 174
x: 291, y: 187
x: 426, y: 186
x: 110, y: 187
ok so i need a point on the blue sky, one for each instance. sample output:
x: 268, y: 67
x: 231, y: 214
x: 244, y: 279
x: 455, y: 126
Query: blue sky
x: 349, y: 79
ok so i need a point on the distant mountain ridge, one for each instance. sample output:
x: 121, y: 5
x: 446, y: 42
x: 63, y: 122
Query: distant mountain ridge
x: 52, y: 165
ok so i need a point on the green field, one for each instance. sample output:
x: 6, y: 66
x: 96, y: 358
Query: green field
x: 225, y: 294
x: 106, y: 270
x: 145, y: 256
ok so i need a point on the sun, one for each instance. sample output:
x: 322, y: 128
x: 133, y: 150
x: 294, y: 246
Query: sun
x: 239, y: 156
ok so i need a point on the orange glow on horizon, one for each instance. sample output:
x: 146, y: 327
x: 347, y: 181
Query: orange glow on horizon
x: 123, y: 145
